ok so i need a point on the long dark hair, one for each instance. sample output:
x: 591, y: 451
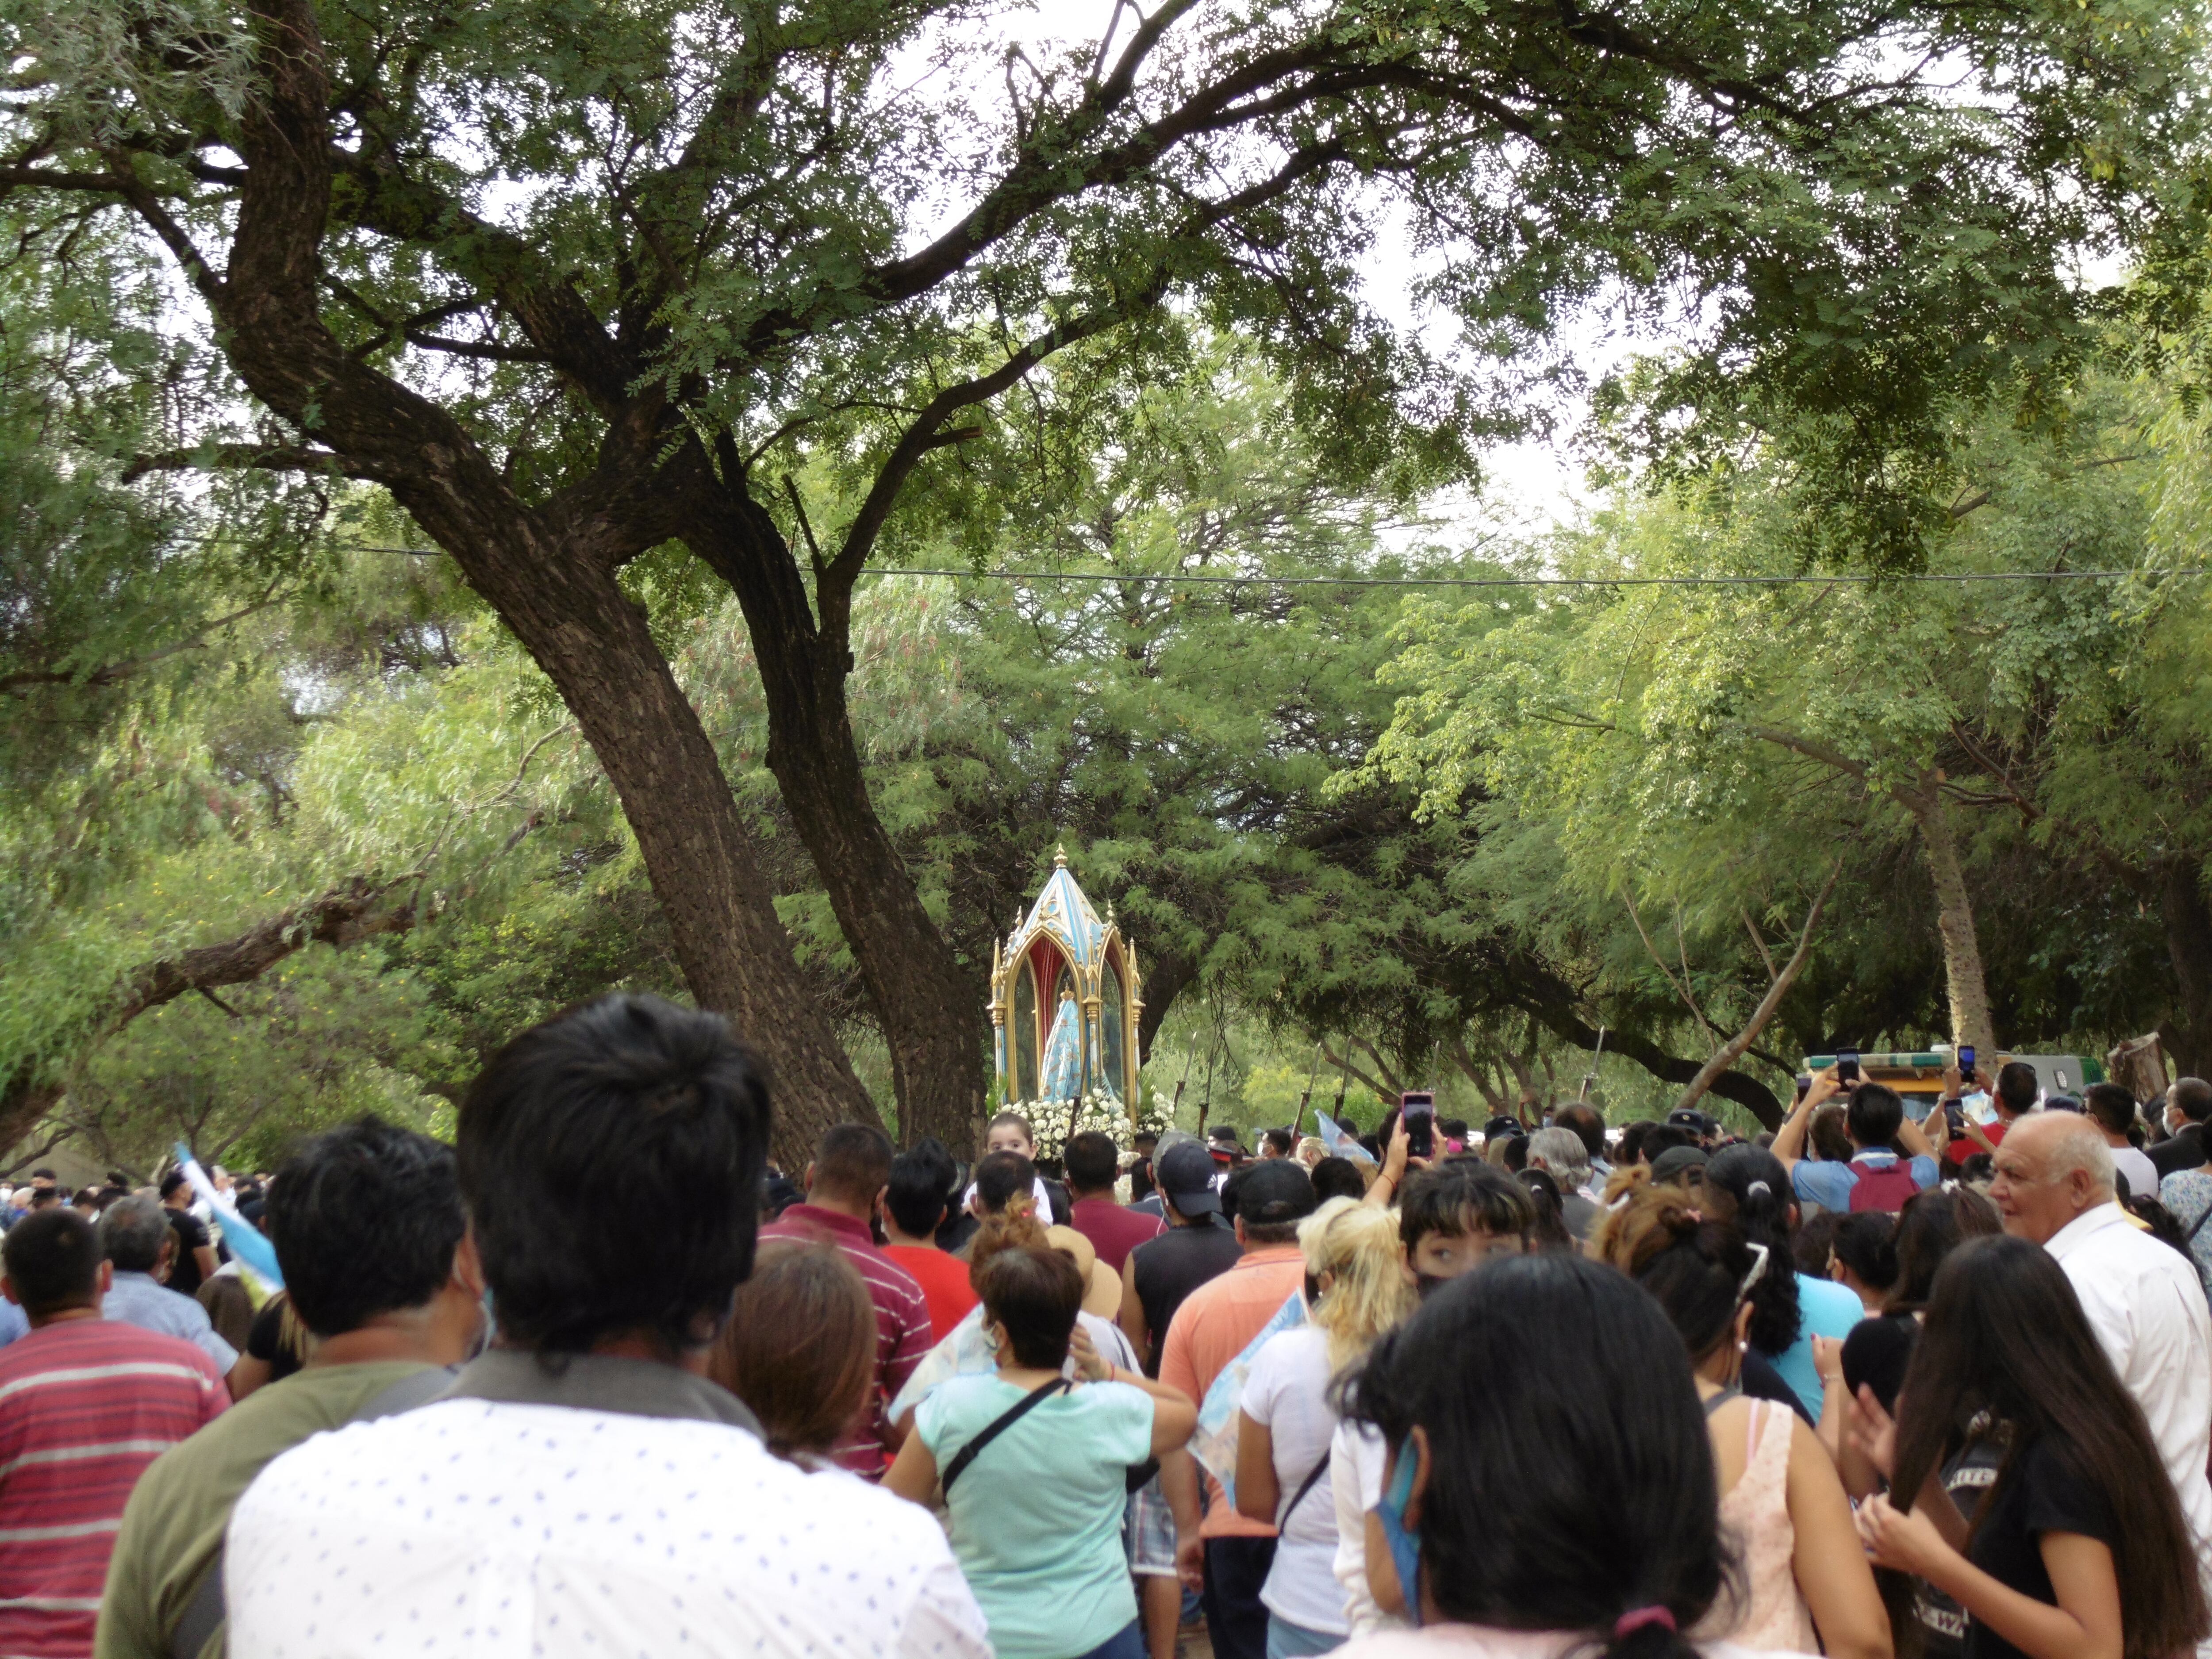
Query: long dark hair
x: 1752, y: 1190
x: 1931, y: 1225
x: 2005, y: 1334
x: 1550, y: 1387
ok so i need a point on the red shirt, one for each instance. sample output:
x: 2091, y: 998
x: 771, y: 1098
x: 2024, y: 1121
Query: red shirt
x: 944, y: 1282
x: 85, y: 1406
x: 902, y: 1330
x: 1962, y: 1148
x: 1114, y: 1231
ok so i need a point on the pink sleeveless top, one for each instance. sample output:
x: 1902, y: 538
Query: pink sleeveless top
x: 1755, y: 1517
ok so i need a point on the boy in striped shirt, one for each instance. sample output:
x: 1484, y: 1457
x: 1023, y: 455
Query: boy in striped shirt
x: 86, y: 1403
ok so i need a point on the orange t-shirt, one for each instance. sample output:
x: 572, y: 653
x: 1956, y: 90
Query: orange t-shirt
x: 1216, y: 1322
x: 944, y: 1282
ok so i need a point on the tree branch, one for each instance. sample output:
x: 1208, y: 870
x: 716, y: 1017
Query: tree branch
x: 209, y: 457
x: 1733, y: 1049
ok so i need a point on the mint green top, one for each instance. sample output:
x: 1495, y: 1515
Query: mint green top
x: 1036, y: 1518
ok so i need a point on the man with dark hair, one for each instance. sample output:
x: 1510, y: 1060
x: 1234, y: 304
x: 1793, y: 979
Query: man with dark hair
x: 1276, y: 1143
x: 2188, y: 1108
x: 141, y: 1246
x: 582, y: 1487
x: 1141, y: 1184
x: 1585, y: 1121
x: 1663, y: 1138
x: 845, y: 1186
x: 195, y: 1262
x: 1875, y: 1177
x: 86, y: 1403
x: 1196, y: 1247
x: 2112, y: 1109
x: 914, y: 1203
x: 1215, y: 1323
x: 367, y: 1221
x: 1091, y: 1161
x: 2014, y: 1095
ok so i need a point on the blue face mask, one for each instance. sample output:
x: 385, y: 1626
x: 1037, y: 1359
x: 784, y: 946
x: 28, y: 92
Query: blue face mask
x: 1405, y: 1543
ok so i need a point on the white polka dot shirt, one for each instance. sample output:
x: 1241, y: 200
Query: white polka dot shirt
x: 483, y: 1529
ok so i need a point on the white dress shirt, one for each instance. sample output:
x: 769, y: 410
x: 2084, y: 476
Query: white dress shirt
x: 502, y: 1530
x: 2146, y: 1306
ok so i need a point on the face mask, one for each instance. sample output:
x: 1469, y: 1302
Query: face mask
x: 1405, y: 1543
x: 485, y: 1330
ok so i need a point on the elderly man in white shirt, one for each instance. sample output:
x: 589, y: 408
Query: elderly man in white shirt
x: 2054, y: 1186
x: 583, y: 1489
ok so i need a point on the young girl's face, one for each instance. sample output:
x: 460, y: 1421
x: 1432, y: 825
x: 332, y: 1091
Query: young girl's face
x: 1009, y: 1138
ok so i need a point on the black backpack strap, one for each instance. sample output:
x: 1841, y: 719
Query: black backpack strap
x: 997, y: 1426
x: 1312, y: 1479
x: 204, y: 1614
x: 1733, y: 1391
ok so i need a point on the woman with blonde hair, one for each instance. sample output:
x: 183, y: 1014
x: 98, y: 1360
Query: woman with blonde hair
x: 1357, y: 1289
x: 1782, y: 1504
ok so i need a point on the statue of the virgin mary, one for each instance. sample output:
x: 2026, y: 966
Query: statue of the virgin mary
x: 1063, y: 1051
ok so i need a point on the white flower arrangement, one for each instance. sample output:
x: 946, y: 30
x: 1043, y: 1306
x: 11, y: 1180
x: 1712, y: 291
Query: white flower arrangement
x: 1056, y: 1121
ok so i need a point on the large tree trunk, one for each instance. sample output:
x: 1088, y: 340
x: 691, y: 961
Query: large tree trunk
x: 550, y: 573
x: 930, y: 1006
x: 2187, y: 1034
x: 1955, y: 921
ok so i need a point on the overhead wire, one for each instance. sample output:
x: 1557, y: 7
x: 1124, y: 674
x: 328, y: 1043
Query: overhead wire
x: 1185, y: 579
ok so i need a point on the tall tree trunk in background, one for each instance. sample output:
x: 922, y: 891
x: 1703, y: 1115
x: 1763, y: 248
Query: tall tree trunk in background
x: 2187, y: 1035
x: 549, y: 572
x: 1167, y: 976
x: 931, y: 1007
x: 1967, y: 985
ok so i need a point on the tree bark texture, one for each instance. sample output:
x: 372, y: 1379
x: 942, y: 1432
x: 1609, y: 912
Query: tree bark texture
x: 931, y: 1006
x: 551, y: 574
x: 1967, y: 985
x: 2187, y: 1034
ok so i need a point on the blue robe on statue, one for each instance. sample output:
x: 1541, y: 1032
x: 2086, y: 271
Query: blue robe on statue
x: 1063, y: 1052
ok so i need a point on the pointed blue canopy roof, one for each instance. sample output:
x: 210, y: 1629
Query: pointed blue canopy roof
x: 1062, y: 911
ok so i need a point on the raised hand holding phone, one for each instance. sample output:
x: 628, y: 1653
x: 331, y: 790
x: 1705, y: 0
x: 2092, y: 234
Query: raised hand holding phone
x: 1418, y: 1109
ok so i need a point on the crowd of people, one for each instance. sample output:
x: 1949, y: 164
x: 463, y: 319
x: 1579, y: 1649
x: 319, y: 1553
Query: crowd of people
x: 600, y: 1378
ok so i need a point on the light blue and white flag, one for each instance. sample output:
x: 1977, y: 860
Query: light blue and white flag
x: 243, y: 1239
x: 1213, y: 1443
x: 1339, y: 1144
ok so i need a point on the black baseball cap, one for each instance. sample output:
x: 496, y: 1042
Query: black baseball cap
x: 1502, y: 1127
x: 1185, y: 1174
x: 1689, y: 1117
x: 1271, y: 1192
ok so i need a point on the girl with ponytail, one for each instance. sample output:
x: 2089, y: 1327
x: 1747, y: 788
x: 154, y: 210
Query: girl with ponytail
x: 1781, y: 1501
x: 1550, y: 1490
x: 1748, y: 1185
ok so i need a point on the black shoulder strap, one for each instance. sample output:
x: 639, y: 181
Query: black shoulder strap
x: 997, y: 1426
x: 2197, y: 1226
x: 1733, y: 1391
x: 204, y: 1614
x: 1312, y: 1479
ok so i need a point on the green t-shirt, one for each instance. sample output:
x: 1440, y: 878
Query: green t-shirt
x: 1036, y: 1518
x: 173, y: 1527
